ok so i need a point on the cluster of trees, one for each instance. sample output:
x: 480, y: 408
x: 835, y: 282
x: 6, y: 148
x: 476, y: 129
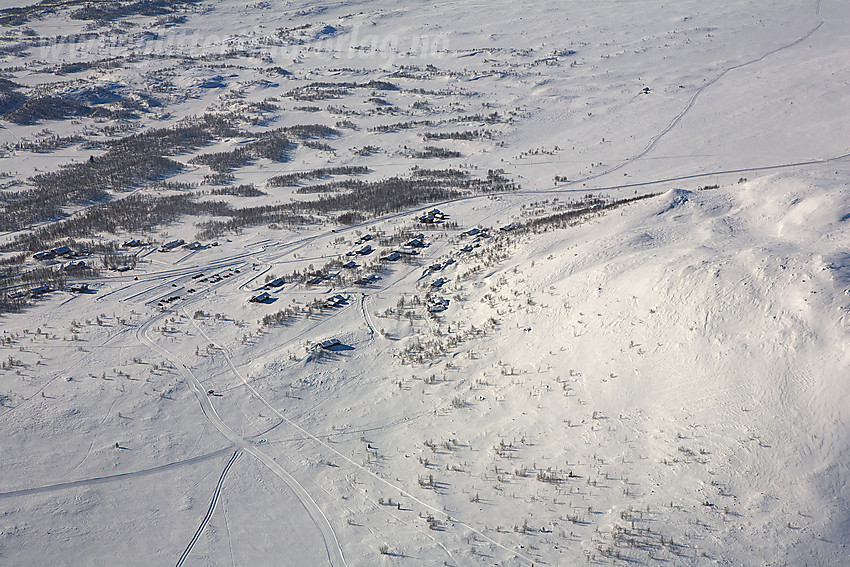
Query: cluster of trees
x: 304, y: 131
x: 130, y: 161
x: 15, y: 282
x: 323, y: 91
x: 47, y: 144
x: 402, y: 125
x: 383, y: 196
x: 246, y: 190
x: 39, y: 108
x: 274, y: 148
x: 315, y: 145
x: 252, y: 216
x: 439, y: 173
x: 353, y: 199
x: 291, y: 179
x: 464, y: 135
x: 568, y: 218
x: 430, y: 152
x: 132, y: 214
x: 330, y: 187
x: 109, y: 11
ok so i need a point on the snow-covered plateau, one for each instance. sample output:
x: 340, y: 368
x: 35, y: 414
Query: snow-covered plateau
x: 402, y: 283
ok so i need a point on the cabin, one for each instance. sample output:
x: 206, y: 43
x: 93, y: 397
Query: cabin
x: 277, y: 282
x: 364, y: 238
x: 391, y: 257
x: 439, y: 282
x: 417, y: 241
x: 194, y: 245
x: 330, y: 343
x: 260, y: 298
x: 438, y: 305
x: 350, y: 265
x: 44, y: 255
x: 63, y: 251
x: 472, y: 232
x: 79, y: 288
x: 336, y: 300
x: 508, y: 227
x: 17, y: 294
x: 74, y: 265
x: 132, y: 243
x: 365, y: 250
x: 366, y: 280
x: 169, y: 246
x: 39, y: 290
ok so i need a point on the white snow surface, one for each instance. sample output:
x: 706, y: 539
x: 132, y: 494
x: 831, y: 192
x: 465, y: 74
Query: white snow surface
x: 663, y: 382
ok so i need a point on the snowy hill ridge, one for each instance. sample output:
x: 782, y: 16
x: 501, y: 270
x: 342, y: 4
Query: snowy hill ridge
x: 369, y: 283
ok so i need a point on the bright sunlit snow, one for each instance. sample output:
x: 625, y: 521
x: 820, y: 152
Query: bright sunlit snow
x: 394, y: 283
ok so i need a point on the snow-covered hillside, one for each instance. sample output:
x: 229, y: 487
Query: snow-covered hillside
x: 369, y: 283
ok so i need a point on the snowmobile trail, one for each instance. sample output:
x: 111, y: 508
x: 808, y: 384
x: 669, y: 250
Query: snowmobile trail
x: 328, y: 535
x: 210, y: 510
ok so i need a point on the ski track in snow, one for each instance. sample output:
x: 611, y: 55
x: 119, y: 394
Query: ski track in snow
x: 331, y: 544
x: 692, y: 101
x: 382, y: 480
x: 210, y: 510
x: 758, y: 513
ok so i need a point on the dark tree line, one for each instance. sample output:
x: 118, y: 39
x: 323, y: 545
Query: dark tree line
x: 130, y: 161
x: 291, y: 179
x: 430, y: 152
x: 245, y: 190
x: 134, y: 213
x: 275, y: 148
x: 567, y: 218
x: 109, y: 11
x: 39, y: 108
x: 464, y: 135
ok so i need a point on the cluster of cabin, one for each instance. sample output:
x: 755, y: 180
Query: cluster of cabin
x: 174, y: 244
x: 215, y: 278
x: 437, y: 304
x: 433, y: 216
x: 59, y: 251
x: 74, y: 265
x: 477, y: 235
x: 437, y: 266
x: 367, y: 280
x: 32, y: 292
x: 364, y: 251
x: 336, y: 300
x: 38, y: 291
x: 417, y: 241
x: 163, y: 303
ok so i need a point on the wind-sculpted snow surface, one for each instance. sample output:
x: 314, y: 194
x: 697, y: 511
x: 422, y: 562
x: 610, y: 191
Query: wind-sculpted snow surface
x: 447, y: 284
